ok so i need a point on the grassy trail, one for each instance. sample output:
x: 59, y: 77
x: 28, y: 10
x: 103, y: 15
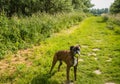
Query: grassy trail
x: 98, y: 64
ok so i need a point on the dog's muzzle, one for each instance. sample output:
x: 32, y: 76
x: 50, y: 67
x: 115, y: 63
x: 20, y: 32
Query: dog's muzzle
x: 78, y: 52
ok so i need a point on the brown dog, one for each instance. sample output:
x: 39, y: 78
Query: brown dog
x: 68, y: 56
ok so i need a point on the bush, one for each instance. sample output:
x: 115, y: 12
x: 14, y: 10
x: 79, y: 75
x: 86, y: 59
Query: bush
x: 115, y: 19
x: 20, y: 33
x: 114, y: 23
x: 105, y: 17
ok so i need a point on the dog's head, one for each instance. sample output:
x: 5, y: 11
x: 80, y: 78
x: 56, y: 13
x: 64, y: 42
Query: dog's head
x: 75, y: 49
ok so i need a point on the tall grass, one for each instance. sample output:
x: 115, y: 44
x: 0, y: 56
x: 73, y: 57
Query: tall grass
x: 20, y: 33
x: 115, y: 19
x: 113, y: 22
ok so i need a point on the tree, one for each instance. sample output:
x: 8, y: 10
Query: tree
x: 82, y: 5
x: 27, y: 7
x: 115, y: 7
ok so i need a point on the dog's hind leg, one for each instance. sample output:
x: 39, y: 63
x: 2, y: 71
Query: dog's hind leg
x: 67, y: 73
x: 53, y: 64
x: 59, y: 65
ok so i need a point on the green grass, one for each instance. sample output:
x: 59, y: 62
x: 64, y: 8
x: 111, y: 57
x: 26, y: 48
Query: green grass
x: 97, y: 41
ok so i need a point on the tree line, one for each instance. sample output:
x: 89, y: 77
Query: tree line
x: 27, y: 7
x: 114, y: 9
x: 99, y: 11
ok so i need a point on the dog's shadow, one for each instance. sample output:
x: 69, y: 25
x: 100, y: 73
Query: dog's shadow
x: 44, y: 79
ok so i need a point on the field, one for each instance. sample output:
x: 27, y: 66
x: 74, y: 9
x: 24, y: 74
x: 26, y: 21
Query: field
x: 99, y: 62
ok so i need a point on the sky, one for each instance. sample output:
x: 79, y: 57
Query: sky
x: 102, y: 3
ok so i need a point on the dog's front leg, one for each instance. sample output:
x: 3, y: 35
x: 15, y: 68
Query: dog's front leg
x: 75, y: 70
x: 68, y: 71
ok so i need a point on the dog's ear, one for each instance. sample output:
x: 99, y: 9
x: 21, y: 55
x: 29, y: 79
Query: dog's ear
x: 79, y: 46
x: 71, y: 48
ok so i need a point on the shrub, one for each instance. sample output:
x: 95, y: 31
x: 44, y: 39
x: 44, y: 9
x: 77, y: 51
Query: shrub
x: 114, y: 23
x: 20, y: 33
x: 105, y: 17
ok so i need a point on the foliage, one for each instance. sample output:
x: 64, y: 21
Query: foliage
x: 115, y: 19
x: 20, y: 33
x: 113, y: 22
x: 28, y: 7
x: 81, y: 5
x: 115, y: 7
